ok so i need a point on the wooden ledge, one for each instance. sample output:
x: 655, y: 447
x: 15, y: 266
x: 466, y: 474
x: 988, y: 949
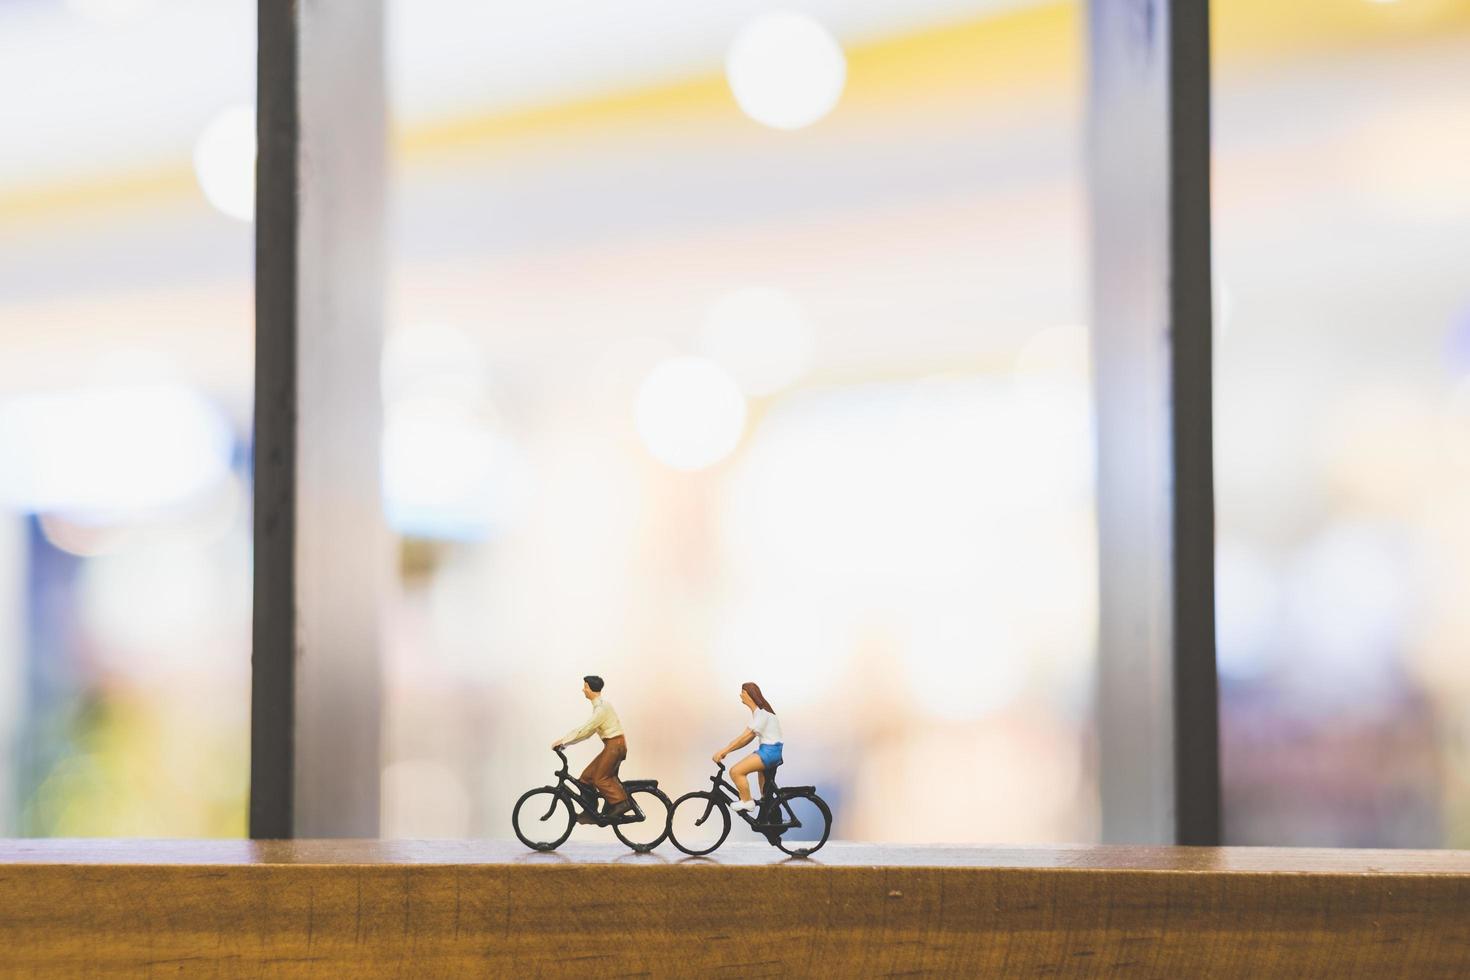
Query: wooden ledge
x: 466, y: 908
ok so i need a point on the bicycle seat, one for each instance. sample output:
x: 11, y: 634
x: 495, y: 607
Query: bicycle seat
x: 771, y: 775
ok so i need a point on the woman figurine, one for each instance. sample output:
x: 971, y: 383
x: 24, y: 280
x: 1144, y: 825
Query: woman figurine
x: 767, y: 731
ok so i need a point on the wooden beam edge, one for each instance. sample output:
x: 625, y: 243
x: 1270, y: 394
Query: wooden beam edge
x: 586, y: 910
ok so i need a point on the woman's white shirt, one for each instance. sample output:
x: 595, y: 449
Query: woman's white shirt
x: 767, y: 729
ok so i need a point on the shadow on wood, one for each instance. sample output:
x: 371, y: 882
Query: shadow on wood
x: 465, y: 908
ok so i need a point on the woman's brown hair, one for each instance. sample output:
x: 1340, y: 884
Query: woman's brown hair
x: 751, y: 688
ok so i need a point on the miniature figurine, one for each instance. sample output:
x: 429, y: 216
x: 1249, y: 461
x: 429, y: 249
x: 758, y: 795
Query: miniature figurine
x: 601, y: 774
x: 637, y: 810
x: 792, y: 818
x: 766, y: 730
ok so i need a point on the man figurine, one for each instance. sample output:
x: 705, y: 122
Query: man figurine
x: 602, y: 772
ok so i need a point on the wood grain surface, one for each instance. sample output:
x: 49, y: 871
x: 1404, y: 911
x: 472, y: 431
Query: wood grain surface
x: 467, y: 908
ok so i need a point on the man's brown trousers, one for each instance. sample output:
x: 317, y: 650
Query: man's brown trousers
x: 602, y: 771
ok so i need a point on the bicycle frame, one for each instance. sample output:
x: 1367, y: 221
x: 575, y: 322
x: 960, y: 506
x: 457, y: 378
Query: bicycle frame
x: 574, y: 796
x: 729, y: 794
x: 564, y: 776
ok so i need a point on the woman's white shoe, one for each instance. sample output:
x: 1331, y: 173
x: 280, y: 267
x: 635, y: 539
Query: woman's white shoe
x: 745, y: 806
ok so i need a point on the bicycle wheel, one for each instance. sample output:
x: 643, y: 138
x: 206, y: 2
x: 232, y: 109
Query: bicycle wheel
x: 699, y: 822
x: 542, y: 818
x: 815, y: 822
x: 648, y: 833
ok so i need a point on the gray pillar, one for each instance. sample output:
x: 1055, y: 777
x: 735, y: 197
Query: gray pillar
x: 321, y: 555
x: 1150, y: 196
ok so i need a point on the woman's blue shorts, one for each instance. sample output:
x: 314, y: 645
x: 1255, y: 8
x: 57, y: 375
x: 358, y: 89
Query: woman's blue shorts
x: 770, y: 754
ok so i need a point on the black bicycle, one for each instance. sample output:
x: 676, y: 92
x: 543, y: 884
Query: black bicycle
x: 544, y: 817
x: 792, y: 818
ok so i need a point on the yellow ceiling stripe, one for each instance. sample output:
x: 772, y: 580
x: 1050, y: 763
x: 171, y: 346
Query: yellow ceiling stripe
x: 1025, y: 54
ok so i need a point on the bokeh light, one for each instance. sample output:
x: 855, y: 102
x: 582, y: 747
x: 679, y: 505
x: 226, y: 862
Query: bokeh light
x: 450, y: 470
x: 449, y: 473
x: 1247, y: 612
x: 785, y: 69
x: 224, y: 162
x: 690, y: 413
x: 94, y: 453
x: 202, y: 520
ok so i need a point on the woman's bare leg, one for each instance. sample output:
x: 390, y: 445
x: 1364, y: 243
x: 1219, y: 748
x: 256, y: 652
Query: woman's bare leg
x: 740, y: 775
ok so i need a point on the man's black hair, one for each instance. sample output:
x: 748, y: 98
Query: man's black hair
x: 594, y: 682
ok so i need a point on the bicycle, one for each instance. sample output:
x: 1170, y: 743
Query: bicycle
x: 778, y: 816
x: 551, y: 829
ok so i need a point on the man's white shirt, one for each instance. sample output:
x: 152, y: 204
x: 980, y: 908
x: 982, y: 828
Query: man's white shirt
x: 604, y: 722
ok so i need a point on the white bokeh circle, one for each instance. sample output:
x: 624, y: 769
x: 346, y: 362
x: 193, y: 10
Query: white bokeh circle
x: 785, y: 69
x: 224, y: 162
x: 689, y: 413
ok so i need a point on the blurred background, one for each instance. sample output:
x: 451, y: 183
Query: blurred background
x: 741, y: 343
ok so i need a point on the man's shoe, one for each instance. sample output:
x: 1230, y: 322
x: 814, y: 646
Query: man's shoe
x: 617, y: 810
x: 588, y: 817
